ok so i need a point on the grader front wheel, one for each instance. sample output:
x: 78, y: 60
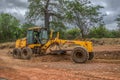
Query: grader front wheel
x: 26, y: 53
x: 80, y: 55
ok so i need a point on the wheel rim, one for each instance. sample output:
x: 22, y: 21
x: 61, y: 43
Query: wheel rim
x: 25, y: 53
x: 17, y: 53
x: 79, y: 55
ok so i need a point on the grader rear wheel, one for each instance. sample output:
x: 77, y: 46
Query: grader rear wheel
x: 80, y: 55
x: 17, y: 53
x: 26, y: 53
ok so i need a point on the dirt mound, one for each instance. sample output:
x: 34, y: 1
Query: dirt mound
x: 107, y: 55
x: 105, y: 41
x: 107, y: 52
x: 7, y: 45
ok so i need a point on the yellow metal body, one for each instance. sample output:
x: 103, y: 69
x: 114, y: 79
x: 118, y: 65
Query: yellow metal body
x: 21, y: 43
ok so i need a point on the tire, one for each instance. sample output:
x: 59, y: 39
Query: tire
x: 26, y: 53
x: 91, y: 55
x: 17, y: 53
x: 80, y: 55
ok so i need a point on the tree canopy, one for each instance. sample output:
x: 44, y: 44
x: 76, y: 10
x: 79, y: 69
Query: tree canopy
x: 84, y: 19
x: 83, y: 14
x: 62, y: 12
x: 48, y: 10
x: 9, y: 26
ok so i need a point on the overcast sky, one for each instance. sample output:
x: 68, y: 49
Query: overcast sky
x: 18, y: 8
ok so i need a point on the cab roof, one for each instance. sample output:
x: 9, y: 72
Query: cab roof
x: 34, y: 28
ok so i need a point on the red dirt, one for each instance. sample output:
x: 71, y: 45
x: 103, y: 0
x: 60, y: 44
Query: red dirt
x: 60, y: 67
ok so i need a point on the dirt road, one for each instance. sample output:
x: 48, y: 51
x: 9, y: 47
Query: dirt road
x: 59, y: 67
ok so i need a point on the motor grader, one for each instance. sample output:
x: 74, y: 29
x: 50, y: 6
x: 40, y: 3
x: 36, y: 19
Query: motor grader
x: 40, y: 41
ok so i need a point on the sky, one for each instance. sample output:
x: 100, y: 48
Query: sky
x: 18, y: 9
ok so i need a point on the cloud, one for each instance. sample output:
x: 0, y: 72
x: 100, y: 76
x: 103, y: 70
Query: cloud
x: 13, y: 3
x: 111, y: 9
x: 18, y: 9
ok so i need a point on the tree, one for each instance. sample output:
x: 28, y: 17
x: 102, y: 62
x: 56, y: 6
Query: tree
x: 47, y: 10
x: 9, y: 27
x: 118, y: 21
x: 100, y: 32
x: 80, y: 13
x: 115, y: 33
x: 83, y: 14
x: 73, y: 33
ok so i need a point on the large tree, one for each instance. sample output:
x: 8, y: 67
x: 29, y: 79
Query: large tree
x: 47, y: 10
x: 59, y: 13
x: 83, y: 14
x: 9, y: 27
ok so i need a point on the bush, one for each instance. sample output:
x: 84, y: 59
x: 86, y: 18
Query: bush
x: 73, y: 33
x: 103, y: 32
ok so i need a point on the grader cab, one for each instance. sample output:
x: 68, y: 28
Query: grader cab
x: 39, y: 41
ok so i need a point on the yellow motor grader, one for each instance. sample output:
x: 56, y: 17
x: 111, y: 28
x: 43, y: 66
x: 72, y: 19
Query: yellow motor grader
x: 41, y: 41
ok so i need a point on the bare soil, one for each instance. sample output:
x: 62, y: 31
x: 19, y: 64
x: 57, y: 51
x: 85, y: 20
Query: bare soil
x: 105, y: 66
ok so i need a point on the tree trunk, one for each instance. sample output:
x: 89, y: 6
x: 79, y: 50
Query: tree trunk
x: 47, y: 16
x: 83, y: 34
